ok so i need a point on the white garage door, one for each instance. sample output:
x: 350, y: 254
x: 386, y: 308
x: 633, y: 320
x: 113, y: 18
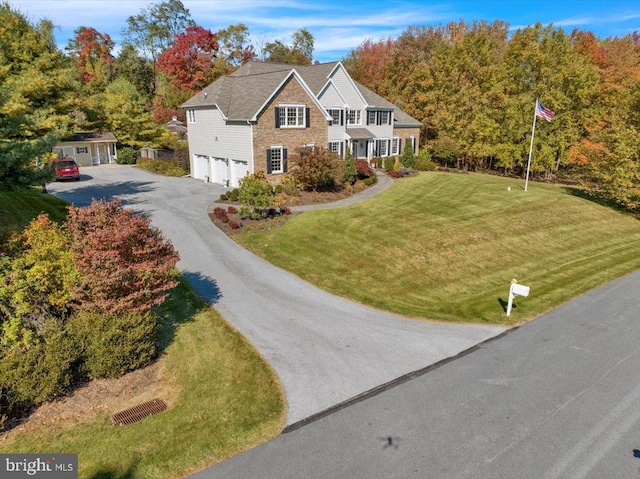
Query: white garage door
x: 219, y: 171
x: 200, y: 167
x: 239, y: 170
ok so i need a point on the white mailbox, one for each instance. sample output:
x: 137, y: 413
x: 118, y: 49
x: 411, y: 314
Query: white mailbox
x: 519, y: 290
x: 516, y: 290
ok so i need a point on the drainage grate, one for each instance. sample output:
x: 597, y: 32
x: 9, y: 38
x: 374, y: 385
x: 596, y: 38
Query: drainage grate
x: 139, y: 412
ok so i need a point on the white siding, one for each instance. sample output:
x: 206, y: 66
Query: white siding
x: 211, y: 136
x: 348, y: 90
x: 330, y: 98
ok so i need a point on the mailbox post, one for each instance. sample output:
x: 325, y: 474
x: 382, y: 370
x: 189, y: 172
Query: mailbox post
x: 516, y: 290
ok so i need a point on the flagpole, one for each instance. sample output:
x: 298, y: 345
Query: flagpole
x: 533, y: 132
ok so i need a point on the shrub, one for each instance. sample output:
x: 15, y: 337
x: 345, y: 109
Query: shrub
x: 224, y: 197
x: 39, y: 282
x: 162, y: 166
x: 277, y: 189
x: 42, y: 371
x: 405, y: 170
x: 127, y: 156
x: 232, y: 210
x: 319, y: 168
x: 218, y: 211
x: 350, y: 173
x: 424, y: 161
x: 408, y: 157
x: 255, y: 195
x: 389, y: 161
x: 363, y: 169
x: 126, y: 264
x: 291, y: 186
x: 286, y: 210
x: 395, y: 174
x: 234, y: 225
x: 234, y: 194
x: 111, y: 345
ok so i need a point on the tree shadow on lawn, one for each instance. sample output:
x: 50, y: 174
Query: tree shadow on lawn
x: 194, y: 293
x: 600, y: 200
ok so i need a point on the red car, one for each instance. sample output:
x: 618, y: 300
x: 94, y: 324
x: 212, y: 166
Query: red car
x: 65, y: 169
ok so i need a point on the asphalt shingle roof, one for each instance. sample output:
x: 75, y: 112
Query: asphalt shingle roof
x: 241, y: 94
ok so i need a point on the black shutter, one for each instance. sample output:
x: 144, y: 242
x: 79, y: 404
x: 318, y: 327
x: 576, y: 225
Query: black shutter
x: 341, y: 117
x: 307, y: 114
x: 399, y: 146
x: 269, y: 160
x: 277, y: 117
x: 367, y: 113
x: 342, y: 149
x: 284, y: 160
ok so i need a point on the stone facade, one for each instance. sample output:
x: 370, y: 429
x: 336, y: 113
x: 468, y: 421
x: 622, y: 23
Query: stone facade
x: 266, y: 135
x: 404, y: 134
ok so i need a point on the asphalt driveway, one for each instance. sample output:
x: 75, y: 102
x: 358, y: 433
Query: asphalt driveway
x: 325, y: 349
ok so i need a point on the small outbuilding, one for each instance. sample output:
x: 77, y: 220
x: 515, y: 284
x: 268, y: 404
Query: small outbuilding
x: 89, y: 148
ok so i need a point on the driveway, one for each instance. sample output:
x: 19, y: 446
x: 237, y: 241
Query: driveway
x: 325, y: 350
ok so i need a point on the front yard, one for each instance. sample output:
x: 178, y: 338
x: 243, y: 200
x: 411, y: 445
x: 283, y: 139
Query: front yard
x: 446, y: 247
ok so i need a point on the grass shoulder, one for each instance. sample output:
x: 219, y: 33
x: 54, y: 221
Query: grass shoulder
x: 223, y: 399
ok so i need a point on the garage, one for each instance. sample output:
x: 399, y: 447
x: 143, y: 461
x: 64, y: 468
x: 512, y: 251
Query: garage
x: 239, y: 170
x: 200, y: 169
x: 219, y: 171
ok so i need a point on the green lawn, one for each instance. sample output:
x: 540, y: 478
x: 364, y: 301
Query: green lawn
x: 228, y: 400
x: 223, y: 396
x: 20, y: 206
x: 446, y: 246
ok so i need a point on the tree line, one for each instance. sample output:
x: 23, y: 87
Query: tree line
x: 164, y: 59
x: 474, y: 87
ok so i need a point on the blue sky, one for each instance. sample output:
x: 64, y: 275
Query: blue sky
x: 339, y: 26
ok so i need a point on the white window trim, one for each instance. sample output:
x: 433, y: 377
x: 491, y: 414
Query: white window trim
x: 279, y: 148
x: 385, y: 142
x: 395, y: 144
x: 357, y: 119
x: 337, y: 144
x: 334, y: 121
x: 191, y: 115
x: 284, y: 115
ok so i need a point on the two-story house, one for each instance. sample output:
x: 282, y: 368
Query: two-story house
x: 255, y: 118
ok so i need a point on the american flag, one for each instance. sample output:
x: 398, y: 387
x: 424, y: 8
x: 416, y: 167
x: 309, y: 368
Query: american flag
x: 544, y: 113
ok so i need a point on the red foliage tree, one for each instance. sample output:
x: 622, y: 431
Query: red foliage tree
x: 93, y: 50
x: 125, y: 263
x: 189, y: 62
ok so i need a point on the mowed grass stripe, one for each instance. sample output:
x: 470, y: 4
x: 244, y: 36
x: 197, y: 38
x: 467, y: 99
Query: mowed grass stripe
x: 446, y: 246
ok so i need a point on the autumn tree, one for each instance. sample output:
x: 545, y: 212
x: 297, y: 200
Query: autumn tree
x: 189, y: 61
x: 154, y: 29
x: 134, y: 68
x: 93, y: 53
x: 299, y: 52
x: 235, y: 46
x: 126, y: 264
x: 36, y: 97
x: 124, y: 112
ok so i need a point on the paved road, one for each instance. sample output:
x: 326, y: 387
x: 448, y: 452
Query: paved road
x: 557, y: 398
x: 324, y: 349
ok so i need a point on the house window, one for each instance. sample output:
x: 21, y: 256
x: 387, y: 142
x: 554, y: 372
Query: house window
x: 381, y: 148
x: 82, y: 150
x: 395, y: 146
x: 191, y: 116
x: 292, y: 116
x: 379, y: 117
x: 335, y: 147
x: 276, y: 159
x: 353, y: 117
x: 337, y: 117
